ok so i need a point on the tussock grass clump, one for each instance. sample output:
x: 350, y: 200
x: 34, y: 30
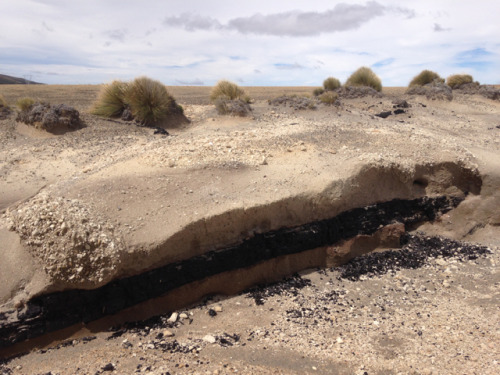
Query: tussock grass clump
x: 331, y: 84
x: 329, y: 97
x: 24, y: 104
x: 227, y: 90
x: 144, y: 99
x: 111, y: 101
x: 318, y: 91
x: 457, y: 80
x: 364, y: 77
x: 149, y: 100
x: 425, y: 77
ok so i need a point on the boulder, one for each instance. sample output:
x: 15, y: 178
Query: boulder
x: 353, y: 92
x: 236, y: 107
x: 295, y: 102
x: 51, y: 118
x: 434, y: 91
x: 490, y: 92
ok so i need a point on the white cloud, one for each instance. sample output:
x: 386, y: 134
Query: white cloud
x: 259, y: 42
x: 342, y: 17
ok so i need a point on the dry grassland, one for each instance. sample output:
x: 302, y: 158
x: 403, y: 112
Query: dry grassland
x: 83, y: 96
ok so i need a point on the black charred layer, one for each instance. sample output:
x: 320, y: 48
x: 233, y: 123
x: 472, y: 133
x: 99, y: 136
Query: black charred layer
x: 416, y: 252
x: 48, y: 313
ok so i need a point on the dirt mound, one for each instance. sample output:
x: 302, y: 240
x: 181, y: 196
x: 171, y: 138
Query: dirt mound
x: 433, y: 91
x: 235, y: 107
x: 51, y: 118
x: 295, y: 102
x: 75, y: 246
x: 488, y: 91
x: 353, y: 92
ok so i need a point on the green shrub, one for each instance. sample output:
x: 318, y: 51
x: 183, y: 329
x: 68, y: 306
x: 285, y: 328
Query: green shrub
x: 25, y: 104
x: 149, y: 100
x: 111, y: 101
x: 364, y: 77
x: 331, y: 84
x: 329, y: 97
x: 425, y: 77
x: 318, y: 91
x: 226, y: 90
x: 457, y: 80
x: 3, y: 103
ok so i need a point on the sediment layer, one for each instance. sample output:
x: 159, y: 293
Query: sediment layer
x: 51, y: 312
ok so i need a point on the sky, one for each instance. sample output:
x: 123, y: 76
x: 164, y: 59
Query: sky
x: 252, y: 43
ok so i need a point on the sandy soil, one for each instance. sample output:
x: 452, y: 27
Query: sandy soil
x: 156, y: 199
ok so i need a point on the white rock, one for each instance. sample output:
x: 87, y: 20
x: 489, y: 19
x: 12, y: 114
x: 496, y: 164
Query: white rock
x: 168, y: 333
x: 173, y: 317
x: 209, y: 338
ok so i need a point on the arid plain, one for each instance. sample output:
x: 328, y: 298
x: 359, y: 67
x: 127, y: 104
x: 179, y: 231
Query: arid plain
x: 216, y: 181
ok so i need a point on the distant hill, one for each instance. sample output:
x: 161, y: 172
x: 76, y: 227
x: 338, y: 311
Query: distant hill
x: 8, y: 80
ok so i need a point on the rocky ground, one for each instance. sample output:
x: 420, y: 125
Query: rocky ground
x: 438, y: 318
x: 282, y: 166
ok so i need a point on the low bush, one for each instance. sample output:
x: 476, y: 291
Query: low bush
x: 457, y: 80
x: 331, y: 84
x: 111, y: 101
x: 318, y: 91
x: 425, y: 77
x: 329, y: 97
x: 149, y: 101
x: 227, y: 90
x: 24, y: 104
x: 364, y: 77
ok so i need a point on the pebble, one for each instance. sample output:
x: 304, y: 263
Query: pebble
x: 209, y: 338
x: 173, y: 318
x: 168, y: 333
x: 218, y: 308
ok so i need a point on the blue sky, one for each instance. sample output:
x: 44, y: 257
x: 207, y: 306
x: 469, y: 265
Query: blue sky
x: 296, y: 43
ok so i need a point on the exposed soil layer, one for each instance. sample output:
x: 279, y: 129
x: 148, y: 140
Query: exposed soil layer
x: 307, y: 303
x: 50, y: 312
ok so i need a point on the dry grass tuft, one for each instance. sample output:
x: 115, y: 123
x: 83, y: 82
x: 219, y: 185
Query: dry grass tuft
x: 111, y: 101
x: 318, y: 91
x: 24, y: 104
x: 457, y: 80
x: 149, y: 100
x: 364, y: 77
x: 425, y: 77
x: 331, y: 84
x: 227, y: 90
